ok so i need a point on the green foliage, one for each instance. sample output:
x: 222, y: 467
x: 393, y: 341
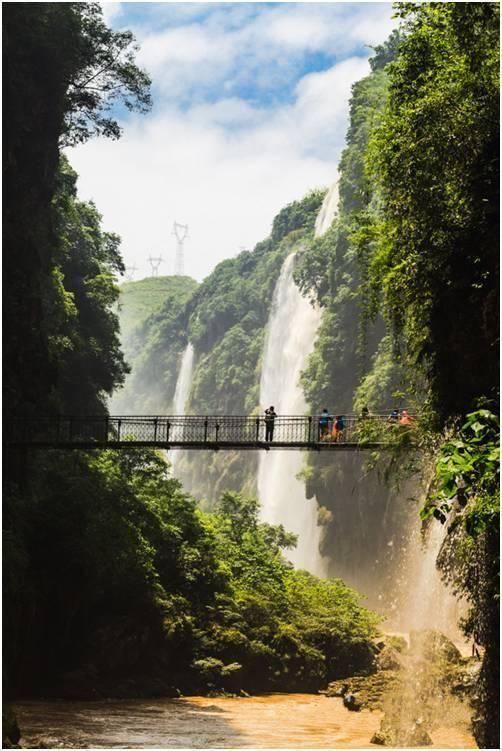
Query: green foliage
x: 114, y: 563
x: 333, y: 270
x: 65, y: 70
x: 430, y: 259
x: 84, y: 332
x: 466, y: 493
x: 297, y: 215
x: 433, y: 260
x: 117, y: 583
x: 286, y: 629
x: 467, y: 471
x: 106, y: 74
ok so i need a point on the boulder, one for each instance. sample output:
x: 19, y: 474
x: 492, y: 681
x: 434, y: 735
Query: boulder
x: 368, y: 689
x: 380, y: 739
x: 352, y: 702
x: 389, y: 659
x: 433, y: 645
x: 417, y: 736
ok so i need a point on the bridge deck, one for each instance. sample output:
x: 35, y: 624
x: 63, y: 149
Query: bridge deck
x: 202, y: 432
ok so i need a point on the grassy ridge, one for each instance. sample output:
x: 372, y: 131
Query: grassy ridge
x: 140, y: 299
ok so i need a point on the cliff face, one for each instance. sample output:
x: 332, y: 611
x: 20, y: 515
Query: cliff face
x: 34, y: 110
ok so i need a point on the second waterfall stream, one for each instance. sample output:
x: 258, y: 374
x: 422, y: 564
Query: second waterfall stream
x: 182, y: 391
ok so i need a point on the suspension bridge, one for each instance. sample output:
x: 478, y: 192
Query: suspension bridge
x: 205, y: 432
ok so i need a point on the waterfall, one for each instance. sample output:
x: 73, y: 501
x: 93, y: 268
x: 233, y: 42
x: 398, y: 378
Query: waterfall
x: 327, y: 211
x: 182, y: 391
x: 184, y: 381
x: 290, y: 337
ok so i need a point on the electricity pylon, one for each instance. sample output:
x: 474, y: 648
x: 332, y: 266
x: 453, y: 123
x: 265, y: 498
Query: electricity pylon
x: 155, y: 263
x: 180, y: 231
x: 129, y: 272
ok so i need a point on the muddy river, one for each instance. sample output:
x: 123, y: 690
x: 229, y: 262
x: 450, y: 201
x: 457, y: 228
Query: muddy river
x: 271, y: 721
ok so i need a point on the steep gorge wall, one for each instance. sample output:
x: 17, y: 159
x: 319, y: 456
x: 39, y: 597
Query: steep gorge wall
x: 365, y: 522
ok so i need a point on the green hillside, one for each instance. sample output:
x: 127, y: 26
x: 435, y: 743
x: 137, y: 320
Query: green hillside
x: 140, y: 299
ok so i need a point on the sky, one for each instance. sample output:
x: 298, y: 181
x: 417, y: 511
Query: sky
x: 250, y: 112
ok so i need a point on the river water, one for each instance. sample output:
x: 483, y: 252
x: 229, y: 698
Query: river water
x: 269, y: 721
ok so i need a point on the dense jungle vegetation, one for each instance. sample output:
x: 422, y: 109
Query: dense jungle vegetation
x: 116, y: 582
x: 410, y: 283
x: 407, y: 280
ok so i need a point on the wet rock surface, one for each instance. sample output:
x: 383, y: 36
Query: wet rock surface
x: 432, y: 683
x: 417, y: 687
x: 368, y: 690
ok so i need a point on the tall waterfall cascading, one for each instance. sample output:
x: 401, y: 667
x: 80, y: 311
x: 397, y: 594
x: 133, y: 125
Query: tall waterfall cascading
x: 327, y: 211
x: 182, y: 389
x: 290, y: 337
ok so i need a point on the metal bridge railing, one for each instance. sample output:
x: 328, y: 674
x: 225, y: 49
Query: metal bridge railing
x: 200, y: 430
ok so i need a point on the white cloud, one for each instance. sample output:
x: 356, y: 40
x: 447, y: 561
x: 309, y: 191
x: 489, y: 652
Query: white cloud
x: 110, y: 10
x: 227, y: 163
x: 236, y: 45
x: 226, y: 183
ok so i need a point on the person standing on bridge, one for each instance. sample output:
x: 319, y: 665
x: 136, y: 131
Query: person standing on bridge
x: 270, y: 415
x: 338, y: 428
x: 405, y: 418
x: 324, y: 421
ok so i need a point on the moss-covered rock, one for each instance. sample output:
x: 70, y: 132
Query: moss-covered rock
x: 368, y: 690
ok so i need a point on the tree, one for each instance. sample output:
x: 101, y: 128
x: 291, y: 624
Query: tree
x: 106, y: 73
x: 435, y: 260
x: 64, y: 71
x: 84, y: 339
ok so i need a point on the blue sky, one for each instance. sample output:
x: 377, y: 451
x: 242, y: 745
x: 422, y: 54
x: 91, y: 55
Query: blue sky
x: 250, y: 112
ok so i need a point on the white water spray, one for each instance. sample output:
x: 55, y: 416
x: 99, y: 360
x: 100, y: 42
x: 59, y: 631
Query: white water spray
x: 290, y: 337
x: 182, y: 390
x: 428, y: 602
